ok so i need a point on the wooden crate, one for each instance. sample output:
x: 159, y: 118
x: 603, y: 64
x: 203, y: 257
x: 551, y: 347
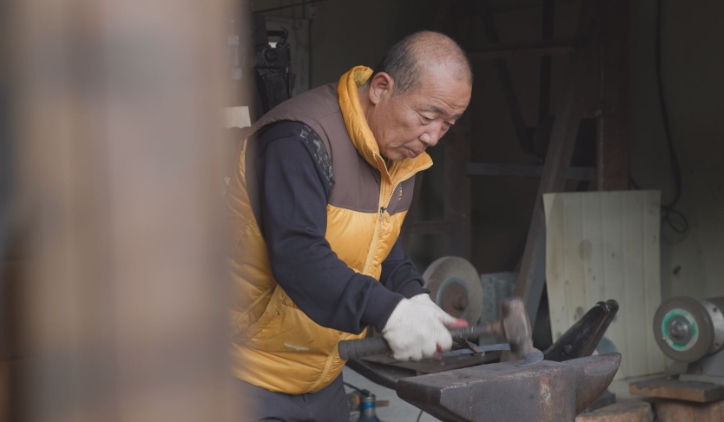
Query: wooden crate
x: 682, y: 411
x: 672, y: 388
x: 621, y: 411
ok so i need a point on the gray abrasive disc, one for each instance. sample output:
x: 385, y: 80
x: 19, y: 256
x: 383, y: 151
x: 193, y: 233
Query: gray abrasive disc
x: 455, y: 287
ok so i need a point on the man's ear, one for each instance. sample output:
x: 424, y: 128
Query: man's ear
x: 381, y: 87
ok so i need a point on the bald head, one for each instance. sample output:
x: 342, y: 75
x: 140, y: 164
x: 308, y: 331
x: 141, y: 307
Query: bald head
x: 418, y: 92
x: 415, y: 57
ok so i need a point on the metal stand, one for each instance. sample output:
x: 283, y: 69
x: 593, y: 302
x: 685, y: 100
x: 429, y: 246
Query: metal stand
x: 709, y: 369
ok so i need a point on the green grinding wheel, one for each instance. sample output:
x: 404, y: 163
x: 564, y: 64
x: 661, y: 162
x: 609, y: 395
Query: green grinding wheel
x: 683, y: 329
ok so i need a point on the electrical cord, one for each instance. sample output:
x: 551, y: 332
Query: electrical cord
x: 356, y: 388
x: 671, y: 216
x: 419, y: 416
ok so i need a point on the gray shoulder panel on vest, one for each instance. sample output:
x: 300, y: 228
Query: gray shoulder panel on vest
x: 318, y: 150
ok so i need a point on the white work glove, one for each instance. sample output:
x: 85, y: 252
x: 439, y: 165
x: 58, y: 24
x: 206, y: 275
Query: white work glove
x: 417, y: 329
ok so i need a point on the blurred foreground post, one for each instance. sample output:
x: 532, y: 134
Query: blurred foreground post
x: 119, y: 154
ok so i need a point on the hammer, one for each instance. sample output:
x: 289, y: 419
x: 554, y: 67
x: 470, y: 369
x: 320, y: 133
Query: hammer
x: 514, y: 327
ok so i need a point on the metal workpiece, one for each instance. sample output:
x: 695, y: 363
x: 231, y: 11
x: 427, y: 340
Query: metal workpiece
x: 507, y: 392
x: 582, y: 338
x: 688, y: 329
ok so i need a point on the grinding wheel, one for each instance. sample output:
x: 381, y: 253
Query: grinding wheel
x: 688, y: 329
x: 455, y: 287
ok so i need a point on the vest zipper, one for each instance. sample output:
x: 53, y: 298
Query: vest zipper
x: 325, y: 371
x: 383, y: 208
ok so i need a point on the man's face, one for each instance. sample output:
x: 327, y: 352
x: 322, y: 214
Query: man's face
x: 406, y: 124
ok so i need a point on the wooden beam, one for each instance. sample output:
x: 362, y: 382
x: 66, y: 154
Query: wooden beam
x: 407, y: 225
x: 458, y: 193
x: 525, y: 170
x: 506, y: 82
x: 613, y: 141
x: 531, y: 278
x: 546, y: 62
x: 531, y: 49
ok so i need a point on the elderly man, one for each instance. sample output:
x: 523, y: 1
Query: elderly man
x: 323, y: 184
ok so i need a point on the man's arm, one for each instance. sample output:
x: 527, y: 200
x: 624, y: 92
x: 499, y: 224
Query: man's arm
x: 399, y: 273
x: 293, y: 192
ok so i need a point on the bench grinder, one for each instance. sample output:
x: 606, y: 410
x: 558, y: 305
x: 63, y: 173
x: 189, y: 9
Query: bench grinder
x: 692, y: 331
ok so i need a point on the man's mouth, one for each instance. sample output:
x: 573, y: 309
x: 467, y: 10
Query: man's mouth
x: 411, y: 153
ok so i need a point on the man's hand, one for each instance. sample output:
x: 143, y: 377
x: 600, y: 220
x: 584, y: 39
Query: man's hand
x: 417, y: 329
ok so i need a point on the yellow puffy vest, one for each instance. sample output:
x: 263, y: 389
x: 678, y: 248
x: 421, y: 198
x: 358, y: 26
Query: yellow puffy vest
x: 274, y: 344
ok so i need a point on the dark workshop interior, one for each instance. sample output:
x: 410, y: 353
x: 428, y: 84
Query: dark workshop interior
x: 584, y: 182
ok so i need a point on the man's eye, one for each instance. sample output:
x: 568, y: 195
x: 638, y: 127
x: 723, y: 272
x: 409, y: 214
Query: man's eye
x: 425, y: 120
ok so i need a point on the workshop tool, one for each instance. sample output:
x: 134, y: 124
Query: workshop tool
x: 514, y: 327
x: 273, y: 75
x: 582, y: 338
x: 367, y: 412
x: 692, y: 331
x: 385, y: 372
x: 455, y: 287
x: 355, y: 399
x: 505, y: 392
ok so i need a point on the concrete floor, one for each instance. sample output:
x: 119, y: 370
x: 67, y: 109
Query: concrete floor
x: 398, y: 410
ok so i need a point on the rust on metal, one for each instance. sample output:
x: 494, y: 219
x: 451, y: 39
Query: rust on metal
x: 504, y: 392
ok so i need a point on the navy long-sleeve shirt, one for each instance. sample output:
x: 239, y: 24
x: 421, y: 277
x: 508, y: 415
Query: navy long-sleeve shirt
x: 290, y: 191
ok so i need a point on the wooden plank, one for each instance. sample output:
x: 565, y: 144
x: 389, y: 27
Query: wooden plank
x: 613, y: 271
x: 633, y: 285
x: 672, y: 388
x: 555, y: 269
x: 595, y: 251
x: 651, y: 256
x: 576, y: 287
x: 621, y: 411
x: 677, y: 411
x: 591, y: 261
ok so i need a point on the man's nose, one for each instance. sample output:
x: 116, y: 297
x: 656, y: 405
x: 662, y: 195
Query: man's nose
x: 431, y: 136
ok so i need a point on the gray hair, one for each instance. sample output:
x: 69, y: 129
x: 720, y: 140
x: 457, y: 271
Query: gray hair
x: 404, y: 60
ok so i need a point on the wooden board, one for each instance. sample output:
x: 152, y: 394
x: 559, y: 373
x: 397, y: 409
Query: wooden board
x: 672, y: 388
x: 621, y: 411
x: 678, y: 411
x: 600, y: 246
